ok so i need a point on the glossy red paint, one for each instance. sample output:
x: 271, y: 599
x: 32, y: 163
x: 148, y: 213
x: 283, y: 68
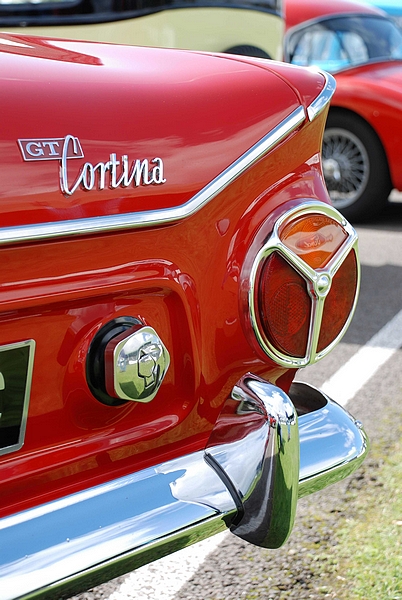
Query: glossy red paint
x: 362, y: 91
x: 371, y: 93
x: 138, y: 125
x: 299, y: 11
x: 182, y: 279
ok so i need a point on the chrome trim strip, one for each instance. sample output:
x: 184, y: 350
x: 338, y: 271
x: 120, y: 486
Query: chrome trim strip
x: 135, y: 515
x: 324, y: 97
x: 43, y: 231
x: 313, y: 277
x: 58, y: 229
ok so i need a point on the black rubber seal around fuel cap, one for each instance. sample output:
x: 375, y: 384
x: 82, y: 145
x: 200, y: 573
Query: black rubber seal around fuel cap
x: 95, y: 365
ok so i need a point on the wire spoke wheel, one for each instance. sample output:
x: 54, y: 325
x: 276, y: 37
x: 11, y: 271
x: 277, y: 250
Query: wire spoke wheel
x: 355, y: 166
x: 346, y: 166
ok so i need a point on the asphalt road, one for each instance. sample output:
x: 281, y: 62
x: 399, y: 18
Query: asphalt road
x: 224, y: 568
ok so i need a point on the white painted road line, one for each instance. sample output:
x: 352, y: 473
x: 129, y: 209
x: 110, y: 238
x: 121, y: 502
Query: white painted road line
x: 164, y: 578
x: 354, y: 374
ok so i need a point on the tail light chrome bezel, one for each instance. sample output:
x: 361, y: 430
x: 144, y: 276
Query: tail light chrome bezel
x: 318, y: 282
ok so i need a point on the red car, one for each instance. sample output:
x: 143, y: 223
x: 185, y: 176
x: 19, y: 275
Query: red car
x: 362, y: 47
x: 170, y: 258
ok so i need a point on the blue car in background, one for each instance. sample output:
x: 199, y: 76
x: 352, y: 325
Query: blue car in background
x: 392, y: 7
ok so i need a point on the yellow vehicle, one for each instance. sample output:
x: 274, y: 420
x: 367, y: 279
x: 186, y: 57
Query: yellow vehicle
x: 248, y: 27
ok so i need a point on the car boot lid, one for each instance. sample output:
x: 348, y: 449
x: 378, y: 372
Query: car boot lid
x: 158, y: 143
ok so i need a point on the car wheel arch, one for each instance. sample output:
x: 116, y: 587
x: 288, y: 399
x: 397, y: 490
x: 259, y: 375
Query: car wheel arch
x: 349, y: 112
x: 247, y: 50
x: 376, y: 189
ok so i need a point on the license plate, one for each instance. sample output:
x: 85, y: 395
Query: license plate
x: 16, y: 364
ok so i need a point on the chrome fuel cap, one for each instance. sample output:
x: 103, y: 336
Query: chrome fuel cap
x: 126, y: 361
x: 135, y: 364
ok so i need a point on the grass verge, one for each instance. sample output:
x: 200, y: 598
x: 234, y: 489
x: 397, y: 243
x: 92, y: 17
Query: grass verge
x: 366, y: 561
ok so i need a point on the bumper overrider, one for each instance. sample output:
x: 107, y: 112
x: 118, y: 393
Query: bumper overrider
x: 266, y: 450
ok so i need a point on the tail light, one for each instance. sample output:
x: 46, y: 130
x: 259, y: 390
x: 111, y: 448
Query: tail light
x: 304, y: 285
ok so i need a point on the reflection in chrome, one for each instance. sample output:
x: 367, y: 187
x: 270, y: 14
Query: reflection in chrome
x: 319, y: 282
x: 332, y: 442
x: 41, y: 231
x: 90, y: 177
x: 268, y: 443
x: 113, y: 528
x: 136, y: 362
x: 324, y: 97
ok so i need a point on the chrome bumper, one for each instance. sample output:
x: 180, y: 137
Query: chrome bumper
x: 266, y: 450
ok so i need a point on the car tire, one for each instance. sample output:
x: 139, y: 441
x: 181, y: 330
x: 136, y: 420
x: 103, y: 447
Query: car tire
x: 246, y: 50
x: 355, y: 167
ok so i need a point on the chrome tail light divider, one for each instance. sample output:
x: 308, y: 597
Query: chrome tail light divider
x: 318, y: 281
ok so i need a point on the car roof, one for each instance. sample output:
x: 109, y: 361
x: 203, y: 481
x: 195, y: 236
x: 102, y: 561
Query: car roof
x: 299, y: 11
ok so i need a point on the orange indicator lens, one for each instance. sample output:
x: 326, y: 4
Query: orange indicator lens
x: 315, y: 238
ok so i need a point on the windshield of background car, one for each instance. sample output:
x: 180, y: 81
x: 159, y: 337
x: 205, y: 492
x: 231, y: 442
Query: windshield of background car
x: 58, y: 12
x: 337, y: 43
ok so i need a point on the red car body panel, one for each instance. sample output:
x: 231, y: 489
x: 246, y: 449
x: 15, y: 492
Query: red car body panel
x: 169, y: 259
x: 372, y: 91
x: 171, y: 132
x: 361, y: 90
x: 299, y: 11
x: 61, y: 292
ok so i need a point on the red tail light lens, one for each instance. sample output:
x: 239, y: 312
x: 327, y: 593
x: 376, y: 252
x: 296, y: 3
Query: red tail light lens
x: 339, y: 302
x: 284, y: 306
x: 304, y: 285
